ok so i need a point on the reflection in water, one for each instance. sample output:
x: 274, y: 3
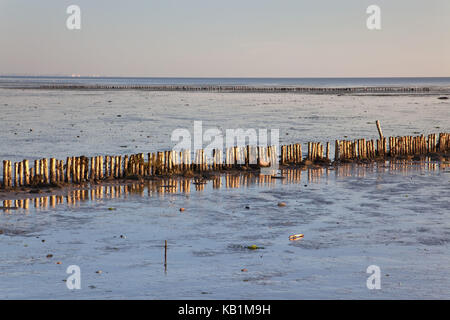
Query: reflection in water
x: 177, y: 185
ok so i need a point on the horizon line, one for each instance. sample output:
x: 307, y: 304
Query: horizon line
x: 218, y: 77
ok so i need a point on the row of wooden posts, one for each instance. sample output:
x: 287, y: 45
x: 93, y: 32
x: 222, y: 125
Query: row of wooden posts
x: 398, y: 146
x: 293, y: 153
x: 237, y: 88
x: 82, y: 169
x: 175, y: 185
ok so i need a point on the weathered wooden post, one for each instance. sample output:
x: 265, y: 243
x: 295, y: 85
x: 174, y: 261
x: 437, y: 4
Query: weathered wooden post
x: 5, y: 174
x: 119, y: 166
x: 337, y: 155
x: 16, y: 175
x: 52, y: 170
x: 61, y: 171
x: 379, y: 129
x: 101, y: 164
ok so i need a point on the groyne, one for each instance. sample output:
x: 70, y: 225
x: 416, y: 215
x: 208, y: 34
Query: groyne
x: 81, y: 169
x: 73, y: 195
x: 247, y: 88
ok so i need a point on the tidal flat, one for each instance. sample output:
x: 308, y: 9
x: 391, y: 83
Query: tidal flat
x: 394, y: 215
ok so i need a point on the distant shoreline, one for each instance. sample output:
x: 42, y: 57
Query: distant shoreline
x: 429, y: 90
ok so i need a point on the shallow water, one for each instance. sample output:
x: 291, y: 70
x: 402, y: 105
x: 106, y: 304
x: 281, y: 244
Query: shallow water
x: 38, y: 123
x: 395, y: 216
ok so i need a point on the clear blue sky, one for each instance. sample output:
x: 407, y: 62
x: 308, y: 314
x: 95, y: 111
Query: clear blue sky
x: 207, y: 38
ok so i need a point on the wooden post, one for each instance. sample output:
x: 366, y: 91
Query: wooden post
x: 214, y: 159
x: 372, y: 149
x: 101, y: 165
x: 16, y: 174
x: 46, y: 175
x: 344, y: 150
x: 300, y: 152
x: 52, y: 170
x: 165, y: 255
x: 68, y: 169
x: 20, y: 168
x: 125, y: 165
x: 57, y: 170
x: 74, y: 170
x: 154, y: 164
x: 61, y: 171
x: 78, y: 169
x: 328, y: 151
x: 170, y: 161
x: 9, y: 173
x: 91, y: 168
x: 364, y: 148
x: 336, y: 150
x: 84, y: 164
x: 149, y: 163
x: 119, y: 167
x: 434, y: 142
x: 5, y: 173
x: 107, y: 166
x: 159, y: 162
x: 41, y: 171
x: 114, y: 167
x: 379, y: 129
x: 310, y: 151
x: 247, y: 155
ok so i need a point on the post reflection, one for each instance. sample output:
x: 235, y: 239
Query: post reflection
x: 74, y: 197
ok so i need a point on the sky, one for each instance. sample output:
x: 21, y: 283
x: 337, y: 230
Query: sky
x: 210, y: 38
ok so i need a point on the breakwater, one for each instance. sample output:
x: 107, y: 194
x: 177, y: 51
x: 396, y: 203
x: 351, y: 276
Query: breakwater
x: 82, y: 169
x: 248, y: 88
